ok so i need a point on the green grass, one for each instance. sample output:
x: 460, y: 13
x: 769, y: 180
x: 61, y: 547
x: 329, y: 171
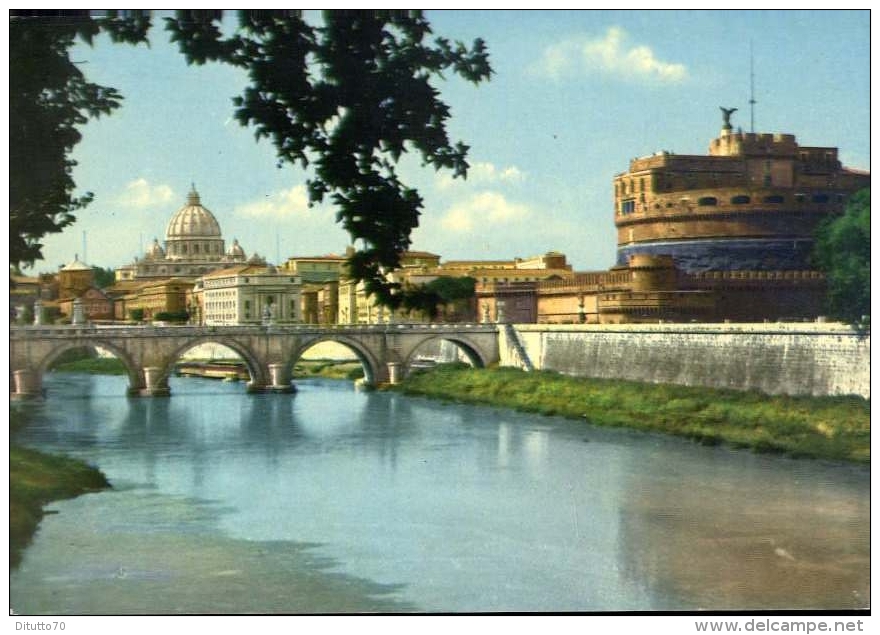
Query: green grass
x: 94, y: 366
x: 330, y: 369
x: 36, y: 479
x: 835, y: 428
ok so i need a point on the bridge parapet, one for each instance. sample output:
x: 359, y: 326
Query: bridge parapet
x: 65, y: 331
x: 150, y: 352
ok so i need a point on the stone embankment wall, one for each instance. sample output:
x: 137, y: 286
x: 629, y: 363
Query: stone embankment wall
x: 793, y: 359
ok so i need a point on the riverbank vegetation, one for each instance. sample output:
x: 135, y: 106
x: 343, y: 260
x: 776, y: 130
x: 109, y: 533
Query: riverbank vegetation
x: 328, y: 369
x: 835, y: 428
x: 36, y: 479
x: 93, y: 366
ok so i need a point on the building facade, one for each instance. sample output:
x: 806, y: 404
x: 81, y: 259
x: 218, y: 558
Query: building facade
x: 318, y: 269
x: 248, y: 294
x: 148, y: 299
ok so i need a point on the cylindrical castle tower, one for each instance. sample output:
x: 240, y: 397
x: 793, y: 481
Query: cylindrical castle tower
x: 753, y: 203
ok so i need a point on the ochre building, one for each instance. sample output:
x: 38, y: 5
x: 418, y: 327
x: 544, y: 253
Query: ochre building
x: 752, y: 204
x: 726, y: 236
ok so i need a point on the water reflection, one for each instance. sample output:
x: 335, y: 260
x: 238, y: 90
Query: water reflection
x: 443, y: 507
x: 752, y: 537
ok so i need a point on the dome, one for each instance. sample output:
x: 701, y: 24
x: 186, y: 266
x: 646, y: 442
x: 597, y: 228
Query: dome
x: 76, y: 265
x: 155, y: 250
x: 192, y: 221
x: 235, y: 250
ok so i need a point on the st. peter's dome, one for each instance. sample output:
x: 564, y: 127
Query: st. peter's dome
x: 193, y: 234
x: 192, y: 221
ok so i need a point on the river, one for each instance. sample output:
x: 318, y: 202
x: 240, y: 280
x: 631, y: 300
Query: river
x: 336, y: 500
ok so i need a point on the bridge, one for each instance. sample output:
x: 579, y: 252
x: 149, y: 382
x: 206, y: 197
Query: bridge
x: 270, y: 352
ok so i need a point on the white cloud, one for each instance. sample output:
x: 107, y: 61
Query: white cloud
x: 482, y: 212
x: 286, y: 204
x: 483, y: 172
x: 608, y: 54
x: 140, y: 194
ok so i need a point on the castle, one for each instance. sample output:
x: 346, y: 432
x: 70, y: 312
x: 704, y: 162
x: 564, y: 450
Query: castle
x: 727, y: 236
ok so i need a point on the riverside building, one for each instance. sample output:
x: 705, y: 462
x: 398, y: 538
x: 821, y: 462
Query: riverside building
x: 707, y: 238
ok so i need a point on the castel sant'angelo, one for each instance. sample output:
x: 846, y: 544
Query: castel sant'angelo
x: 726, y: 236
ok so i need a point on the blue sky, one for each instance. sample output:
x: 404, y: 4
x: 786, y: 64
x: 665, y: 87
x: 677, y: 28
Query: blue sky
x: 575, y: 96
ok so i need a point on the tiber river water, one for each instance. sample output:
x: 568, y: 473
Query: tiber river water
x: 338, y: 500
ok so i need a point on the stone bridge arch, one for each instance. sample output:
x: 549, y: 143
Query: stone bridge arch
x: 472, y: 350
x: 133, y: 369
x: 373, y: 371
x: 255, y: 366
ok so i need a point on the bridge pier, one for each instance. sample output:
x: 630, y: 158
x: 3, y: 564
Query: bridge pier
x: 28, y: 384
x: 155, y: 385
x: 395, y: 373
x: 280, y: 378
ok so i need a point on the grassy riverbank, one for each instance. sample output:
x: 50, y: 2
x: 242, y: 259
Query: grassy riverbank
x: 820, y: 427
x: 93, y: 366
x: 328, y: 368
x: 36, y: 479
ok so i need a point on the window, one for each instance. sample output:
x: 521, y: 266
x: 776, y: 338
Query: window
x: 774, y: 198
x: 628, y: 206
x: 741, y: 199
x: 820, y: 198
x: 800, y: 198
x: 707, y: 201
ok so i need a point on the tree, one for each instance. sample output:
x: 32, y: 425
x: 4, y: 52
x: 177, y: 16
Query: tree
x: 48, y: 98
x: 843, y: 251
x: 348, y: 99
x: 455, y: 293
x: 104, y: 277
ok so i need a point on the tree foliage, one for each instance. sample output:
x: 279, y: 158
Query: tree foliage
x: 347, y: 98
x: 49, y: 97
x: 454, y: 293
x: 104, y: 277
x: 452, y: 288
x: 843, y: 251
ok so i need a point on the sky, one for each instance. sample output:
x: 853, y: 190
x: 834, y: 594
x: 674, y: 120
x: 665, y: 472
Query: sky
x: 575, y: 96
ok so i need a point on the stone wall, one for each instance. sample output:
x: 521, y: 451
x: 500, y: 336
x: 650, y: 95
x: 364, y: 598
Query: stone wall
x: 794, y: 359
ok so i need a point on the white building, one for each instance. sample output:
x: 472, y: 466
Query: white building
x: 249, y: 294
